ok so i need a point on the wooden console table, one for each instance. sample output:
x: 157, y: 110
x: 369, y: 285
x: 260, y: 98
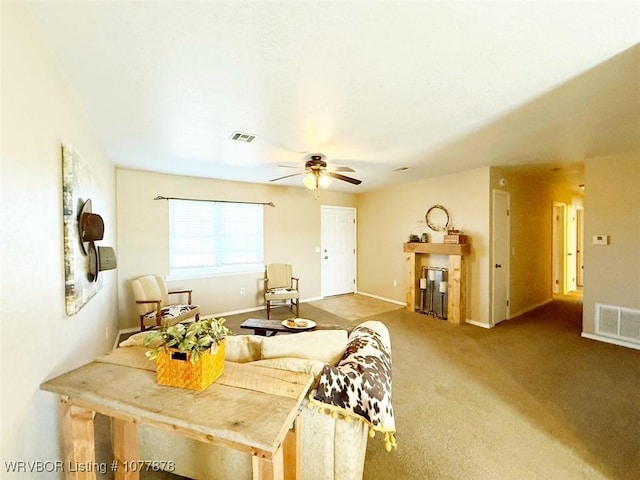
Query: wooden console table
x: 416, y: 255
x: 125, y: 389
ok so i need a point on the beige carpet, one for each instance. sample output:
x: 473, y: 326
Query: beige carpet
x: 354, y: 307
x: 529, y: 399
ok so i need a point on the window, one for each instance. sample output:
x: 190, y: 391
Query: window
x: 207, y: 238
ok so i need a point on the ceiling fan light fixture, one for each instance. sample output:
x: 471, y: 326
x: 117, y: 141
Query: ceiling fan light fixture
x: 317, y: 175
x: 309, y: 181
x: 324, y: 180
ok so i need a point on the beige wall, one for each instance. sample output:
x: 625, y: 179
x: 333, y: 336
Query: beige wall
x: 386, y: 217
x: 612, y: 202
x: 292, y: 231
x: 38, y: 341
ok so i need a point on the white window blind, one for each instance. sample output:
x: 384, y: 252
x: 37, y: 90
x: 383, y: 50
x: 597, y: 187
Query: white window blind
x: 207, y: 238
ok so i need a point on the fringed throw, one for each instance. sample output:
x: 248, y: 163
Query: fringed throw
x: 360, y: 385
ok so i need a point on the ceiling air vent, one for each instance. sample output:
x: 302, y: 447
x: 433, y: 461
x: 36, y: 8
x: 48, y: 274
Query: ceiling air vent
x: 242, y: 137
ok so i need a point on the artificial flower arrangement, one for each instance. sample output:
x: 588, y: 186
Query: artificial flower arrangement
x: 189, y: 355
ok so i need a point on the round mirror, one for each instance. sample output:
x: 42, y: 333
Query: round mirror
x: 438, y: 218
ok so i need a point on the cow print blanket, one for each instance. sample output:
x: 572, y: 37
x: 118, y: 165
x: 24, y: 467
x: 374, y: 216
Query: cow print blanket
x: 360, y: 385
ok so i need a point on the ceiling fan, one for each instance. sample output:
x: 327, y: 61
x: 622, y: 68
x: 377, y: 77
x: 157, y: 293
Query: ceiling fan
x: 317, y: 175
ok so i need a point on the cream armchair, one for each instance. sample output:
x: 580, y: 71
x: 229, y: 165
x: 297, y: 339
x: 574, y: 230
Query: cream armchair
x: 152, y: 301
x: 281, y: 286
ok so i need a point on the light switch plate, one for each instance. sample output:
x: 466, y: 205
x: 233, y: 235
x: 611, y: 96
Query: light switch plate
x: 600, y: 240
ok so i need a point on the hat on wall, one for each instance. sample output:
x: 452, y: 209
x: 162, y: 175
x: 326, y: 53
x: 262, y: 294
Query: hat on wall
x: 90, y: 226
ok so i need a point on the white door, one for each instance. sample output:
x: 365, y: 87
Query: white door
x: 580, y: 247
x: 500, y: 246
x: 338, y: 250
x: 571, y: 277
x: 558, y: 249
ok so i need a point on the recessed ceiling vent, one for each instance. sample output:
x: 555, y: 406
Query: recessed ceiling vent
x: 242, y: 137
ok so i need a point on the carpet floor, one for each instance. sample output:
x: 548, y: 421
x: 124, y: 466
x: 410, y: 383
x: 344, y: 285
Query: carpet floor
x: 528, y: 399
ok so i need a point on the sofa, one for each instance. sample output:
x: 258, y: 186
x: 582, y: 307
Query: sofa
x: 349, y: 401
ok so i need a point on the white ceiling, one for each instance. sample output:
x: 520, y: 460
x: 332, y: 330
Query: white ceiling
x: 436, y: 86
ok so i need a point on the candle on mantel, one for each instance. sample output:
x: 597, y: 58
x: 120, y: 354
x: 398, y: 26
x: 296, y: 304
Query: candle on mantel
x: 443, y: 287
x: 432, y: 275
x: 423, y: 283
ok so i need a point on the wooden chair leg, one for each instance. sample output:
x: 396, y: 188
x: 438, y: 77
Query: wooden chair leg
x: 268, y: 308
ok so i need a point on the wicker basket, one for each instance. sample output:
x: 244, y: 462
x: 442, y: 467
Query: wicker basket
x: 175, y: 369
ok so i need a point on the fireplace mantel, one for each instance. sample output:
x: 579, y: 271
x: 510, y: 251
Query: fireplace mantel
x: 439, y: 248
x: 416, y: 255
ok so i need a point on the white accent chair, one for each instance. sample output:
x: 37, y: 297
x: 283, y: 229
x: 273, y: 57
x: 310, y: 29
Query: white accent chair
x: 152, y: 301
x: 281, y: 286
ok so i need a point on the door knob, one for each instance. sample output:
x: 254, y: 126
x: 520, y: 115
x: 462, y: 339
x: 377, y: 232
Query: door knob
x: 498, y: 265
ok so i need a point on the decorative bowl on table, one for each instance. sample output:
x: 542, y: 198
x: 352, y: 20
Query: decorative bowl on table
x: 299, y: 323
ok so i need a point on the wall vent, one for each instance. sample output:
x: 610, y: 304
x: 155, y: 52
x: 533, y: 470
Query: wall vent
x: 242, y: 137
x: 618, y: 322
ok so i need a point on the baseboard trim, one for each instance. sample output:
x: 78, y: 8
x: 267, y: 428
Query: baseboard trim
x: 315, y: 299
x: 384, y: 299
x: 479, y: 324
x: 259, y: 307
x: 234, y: 312
x: 614, y: 341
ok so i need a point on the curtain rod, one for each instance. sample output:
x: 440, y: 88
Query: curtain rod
x: 160, y: 197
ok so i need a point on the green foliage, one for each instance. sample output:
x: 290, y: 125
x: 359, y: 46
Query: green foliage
x: 195, y: 337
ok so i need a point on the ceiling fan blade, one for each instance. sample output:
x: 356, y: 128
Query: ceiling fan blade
x: 286, y: 176
x: 344, y: 178
x: 343, y: 169
x: 289, y: 166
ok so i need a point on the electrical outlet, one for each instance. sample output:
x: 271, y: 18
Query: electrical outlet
x: 395, y: 283
x: 106, y: 333
x: 600, y: 239
x: 242, y: 291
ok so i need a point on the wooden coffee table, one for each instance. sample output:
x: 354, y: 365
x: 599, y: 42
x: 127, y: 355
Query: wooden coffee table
x: 269, y: 328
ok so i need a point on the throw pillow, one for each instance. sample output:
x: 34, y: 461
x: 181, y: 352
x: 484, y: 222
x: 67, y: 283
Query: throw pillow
x: 243, y: 348
x: 136, y: 340
x: 324, y: 345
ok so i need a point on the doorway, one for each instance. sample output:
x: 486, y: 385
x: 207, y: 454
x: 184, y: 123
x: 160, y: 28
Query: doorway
x: 338, y: 250
x: 558, y: 248
x: 566, y: 237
